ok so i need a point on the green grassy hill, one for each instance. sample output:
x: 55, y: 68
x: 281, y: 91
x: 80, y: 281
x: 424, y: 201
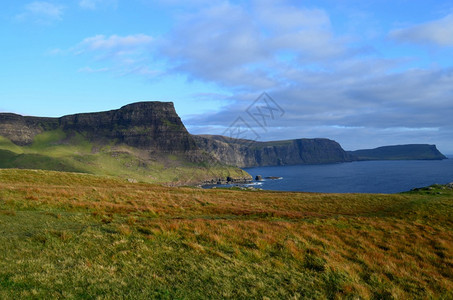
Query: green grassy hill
x: 68, y: 235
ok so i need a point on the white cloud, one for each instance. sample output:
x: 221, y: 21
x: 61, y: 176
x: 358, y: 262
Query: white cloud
x: 236, y: 45
x: 120, y: 54
x: 314, y: 74
x: 438, y: 32
x: 88, y: 4
x: 115, y: 42
x: 95, y: 4
x: 183, y: 3
x: 91, y: 70
x: 287, y: 17
x: 41, y: 12
x: 115, y: 46
x: 54, y: 51
x: 232, y: 45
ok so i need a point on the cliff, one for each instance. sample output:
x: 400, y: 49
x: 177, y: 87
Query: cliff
x: 145, y: 125
x: 22, y: 130
x: 245, y: 153
x: 147, y: 141
x: 144, y: 141
x: 399, y: 152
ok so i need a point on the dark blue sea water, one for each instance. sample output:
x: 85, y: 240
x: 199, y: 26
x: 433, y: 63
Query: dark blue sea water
x: 356, y: 177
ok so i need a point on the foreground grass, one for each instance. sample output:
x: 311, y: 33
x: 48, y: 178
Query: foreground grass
x: 67, y: 235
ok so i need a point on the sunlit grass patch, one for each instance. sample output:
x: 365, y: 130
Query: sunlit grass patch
x: 73, y: 152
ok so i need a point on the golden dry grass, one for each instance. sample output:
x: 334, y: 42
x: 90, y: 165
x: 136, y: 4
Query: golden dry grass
x: 194, y: 243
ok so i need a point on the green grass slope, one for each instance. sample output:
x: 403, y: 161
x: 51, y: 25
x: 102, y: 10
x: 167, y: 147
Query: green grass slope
x: 55, y: 150
x: 68, y: 235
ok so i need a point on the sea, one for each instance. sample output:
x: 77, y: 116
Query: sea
x: 385, y: 177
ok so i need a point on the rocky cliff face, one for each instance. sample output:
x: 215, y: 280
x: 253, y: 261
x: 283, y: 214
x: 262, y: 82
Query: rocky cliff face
x: 143, y: 141
x: 145, y: 125
x: 21, y: 130
x: 243, y: 153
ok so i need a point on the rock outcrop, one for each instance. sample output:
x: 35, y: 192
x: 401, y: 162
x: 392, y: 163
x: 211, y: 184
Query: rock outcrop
x: 244, y: 153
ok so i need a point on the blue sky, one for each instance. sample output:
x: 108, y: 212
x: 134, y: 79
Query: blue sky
x: 364, y: 73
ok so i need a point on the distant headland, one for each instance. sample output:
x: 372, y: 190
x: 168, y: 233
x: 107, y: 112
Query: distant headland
x: 400, y: 152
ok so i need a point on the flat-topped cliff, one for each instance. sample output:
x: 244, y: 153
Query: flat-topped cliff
x: 144, y: 141
x: 146, y: 125
x: 400, y: 152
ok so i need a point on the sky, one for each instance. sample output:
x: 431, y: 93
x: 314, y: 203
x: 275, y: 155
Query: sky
x: 363, y: 73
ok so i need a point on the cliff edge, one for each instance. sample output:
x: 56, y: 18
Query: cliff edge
x: 146, y: 125
x: 144, y: 141
x: 245, y: 153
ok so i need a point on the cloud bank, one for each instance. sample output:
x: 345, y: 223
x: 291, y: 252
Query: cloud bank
x: 329, y: 85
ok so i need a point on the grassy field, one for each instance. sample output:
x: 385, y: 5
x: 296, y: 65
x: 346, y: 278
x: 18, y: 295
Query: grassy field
x: 68, y: 235
x: 54, y: 150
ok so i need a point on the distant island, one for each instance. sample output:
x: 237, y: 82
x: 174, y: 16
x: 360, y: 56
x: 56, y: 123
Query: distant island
x: 399, y: 152
x: 147, y: 141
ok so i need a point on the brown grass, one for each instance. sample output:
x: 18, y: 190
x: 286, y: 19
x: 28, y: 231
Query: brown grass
x: 357, y: 245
